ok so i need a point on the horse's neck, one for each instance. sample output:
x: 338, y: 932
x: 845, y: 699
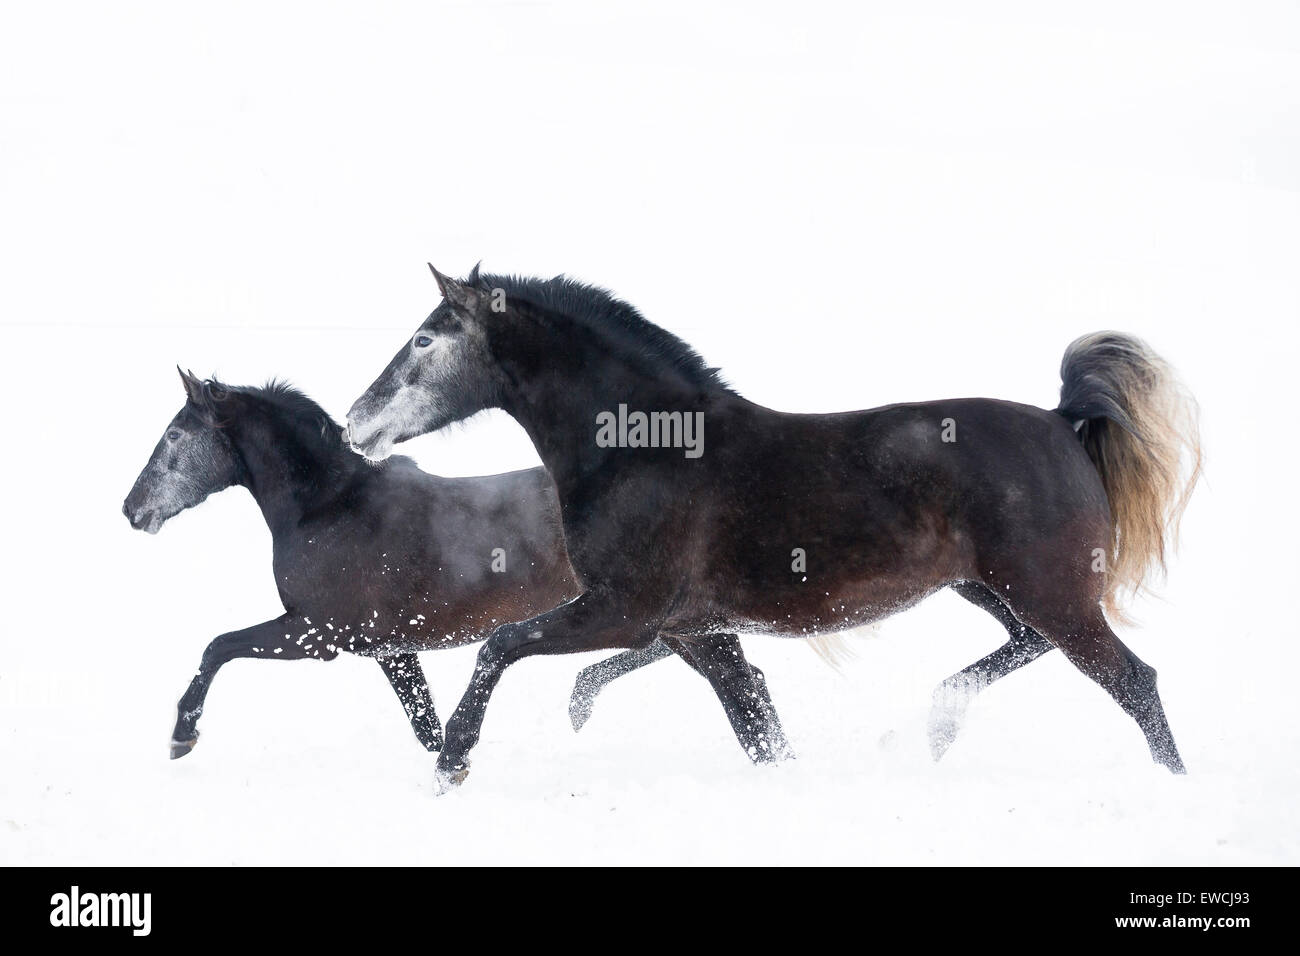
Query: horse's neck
x: 558, y: 408
x: 281, y: 484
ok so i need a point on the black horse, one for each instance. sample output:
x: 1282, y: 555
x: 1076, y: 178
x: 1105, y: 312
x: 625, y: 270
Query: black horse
x: 382, y: 562
x: 799, y: 524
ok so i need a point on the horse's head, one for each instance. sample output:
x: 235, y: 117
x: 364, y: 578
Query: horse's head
x: 193, y: 459
x: 443, y: 374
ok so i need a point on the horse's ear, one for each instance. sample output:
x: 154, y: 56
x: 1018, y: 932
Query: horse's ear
x: 462, y: 295
x: 439, y: 278
x: 193, y: 387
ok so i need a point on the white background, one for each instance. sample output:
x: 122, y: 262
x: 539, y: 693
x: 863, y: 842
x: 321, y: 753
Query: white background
x: 841, y: 205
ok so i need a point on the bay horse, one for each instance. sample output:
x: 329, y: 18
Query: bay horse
x: 381, y: 562
x: 699, y: 511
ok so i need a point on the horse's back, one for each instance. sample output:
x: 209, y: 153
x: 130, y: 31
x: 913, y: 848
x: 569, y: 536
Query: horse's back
x: 967, y: 447
x: 458, y: 522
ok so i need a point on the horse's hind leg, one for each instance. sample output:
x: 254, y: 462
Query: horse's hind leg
x: 593, y: 679
x: 1095, y: 650
x: 596, y: 677
x: 1066, y: 610
x: 951, y: 698
x: 270, y: 640
x: 742, y: 690
x: 407, y: 678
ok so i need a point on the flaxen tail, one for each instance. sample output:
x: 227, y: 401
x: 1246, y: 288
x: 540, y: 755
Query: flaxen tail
x: 1139, y: 426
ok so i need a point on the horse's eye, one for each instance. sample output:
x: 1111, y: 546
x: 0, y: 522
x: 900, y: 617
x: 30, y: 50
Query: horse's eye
x: 423, y: 341
x: 173, y: 435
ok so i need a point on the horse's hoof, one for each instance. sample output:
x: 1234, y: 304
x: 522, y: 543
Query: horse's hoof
x: 579, y: 711
x: 770, y: 754
x: 942, y: 729
x: 943, y: 726
x: 948, y: 713
x: 181, y: 747
x: 1173, y: 763
x: 942, y: 733
x: 445, y: 780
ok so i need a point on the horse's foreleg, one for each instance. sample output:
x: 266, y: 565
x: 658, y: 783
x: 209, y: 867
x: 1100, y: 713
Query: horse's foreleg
x: 590, y: 622
x: 593, y: 679
x: 742, y: 690
x: 951, y: 698
x: 285, y: 638
x: 407, y: 678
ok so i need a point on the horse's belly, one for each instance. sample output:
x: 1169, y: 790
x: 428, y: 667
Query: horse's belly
x: 805, y: 607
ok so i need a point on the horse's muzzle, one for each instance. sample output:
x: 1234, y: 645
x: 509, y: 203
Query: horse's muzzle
x: 142, y: 520
x: 374, y: 447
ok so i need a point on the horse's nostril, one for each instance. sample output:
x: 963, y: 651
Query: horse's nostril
x: 136, y: 519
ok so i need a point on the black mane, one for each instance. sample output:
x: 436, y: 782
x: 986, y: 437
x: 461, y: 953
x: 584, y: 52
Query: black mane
x: 296, y: 404
x: 604, y: 312
x: 313, y: 436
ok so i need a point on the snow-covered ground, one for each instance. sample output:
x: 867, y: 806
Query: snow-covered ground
x: 840, y: 208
